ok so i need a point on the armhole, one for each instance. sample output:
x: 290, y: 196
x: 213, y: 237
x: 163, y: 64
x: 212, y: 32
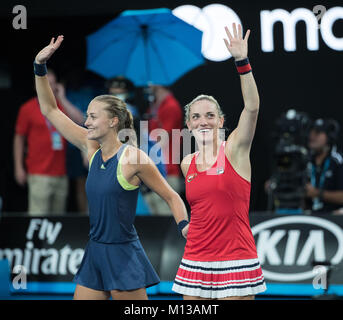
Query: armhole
x: 91, y: 159
x: 194, y: 155
x: 121, y: 179
x: 233, y: 168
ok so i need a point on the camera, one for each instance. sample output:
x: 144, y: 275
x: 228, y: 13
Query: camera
x: 290, y: 162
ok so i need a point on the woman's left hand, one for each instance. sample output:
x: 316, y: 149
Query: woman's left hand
x: 237, y: 46
x: 185, y: 231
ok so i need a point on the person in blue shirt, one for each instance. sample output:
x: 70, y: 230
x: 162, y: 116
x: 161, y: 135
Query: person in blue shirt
x: 114, y: 262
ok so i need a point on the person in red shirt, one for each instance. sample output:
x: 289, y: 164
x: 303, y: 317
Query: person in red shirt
x: 165, y: 113
x: 220, y: 259
x: 40, y: 154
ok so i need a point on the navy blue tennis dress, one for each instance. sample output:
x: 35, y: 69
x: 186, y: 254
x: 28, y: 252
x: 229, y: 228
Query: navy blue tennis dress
x: 114, y: 258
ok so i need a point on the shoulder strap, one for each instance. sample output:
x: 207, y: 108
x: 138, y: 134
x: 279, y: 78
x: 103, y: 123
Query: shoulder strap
x: 91, y: 159
x: 219, y: 167
x: 191, y: 168
x: 121, y: 179
x: 221, y: 156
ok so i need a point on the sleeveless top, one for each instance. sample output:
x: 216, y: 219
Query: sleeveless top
x: 219, y: 199
x: 112, y: 200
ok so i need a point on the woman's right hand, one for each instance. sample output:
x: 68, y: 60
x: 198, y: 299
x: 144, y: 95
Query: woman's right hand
x: 44, y: 55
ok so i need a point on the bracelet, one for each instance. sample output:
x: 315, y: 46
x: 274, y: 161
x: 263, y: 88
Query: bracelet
x: 39, y: 69
x: 181, y: 225
x: 243, y: 66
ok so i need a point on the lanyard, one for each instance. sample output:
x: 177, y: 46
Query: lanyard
x: 322, y: 175
x: 317, y: 204
x: 49, y: 125
x: 56, y: 139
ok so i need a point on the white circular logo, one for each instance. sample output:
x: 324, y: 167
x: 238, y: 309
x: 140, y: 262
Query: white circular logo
x: 267, y: 244
x: 211, y: 20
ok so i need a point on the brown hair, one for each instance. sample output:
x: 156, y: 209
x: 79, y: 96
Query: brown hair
x: 117, y: 108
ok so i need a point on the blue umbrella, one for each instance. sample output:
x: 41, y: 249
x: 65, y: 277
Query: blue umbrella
x: 145, y: 46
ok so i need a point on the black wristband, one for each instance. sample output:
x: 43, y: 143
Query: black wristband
x: 181, y: 225
x: 242, y: 62
x: 39, y: 69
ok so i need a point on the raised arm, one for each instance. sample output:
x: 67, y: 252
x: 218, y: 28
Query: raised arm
x: 74, y: 133
x: 241, y: 138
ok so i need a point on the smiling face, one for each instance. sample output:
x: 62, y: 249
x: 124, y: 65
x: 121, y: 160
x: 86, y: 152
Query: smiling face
x: 98, y: 121
x: 204, y: 121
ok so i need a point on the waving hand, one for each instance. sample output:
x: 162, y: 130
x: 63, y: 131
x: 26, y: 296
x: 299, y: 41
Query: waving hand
x: 44, y: 55
x: 237, y: 46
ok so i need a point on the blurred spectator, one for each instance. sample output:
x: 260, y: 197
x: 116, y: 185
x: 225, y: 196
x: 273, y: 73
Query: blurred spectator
x: 45, y: 155
x: 325, y: 190
x: 124, y: 89
x: 165, y: 113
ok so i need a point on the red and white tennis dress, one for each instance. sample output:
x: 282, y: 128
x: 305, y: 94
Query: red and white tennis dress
x: 220, y: 258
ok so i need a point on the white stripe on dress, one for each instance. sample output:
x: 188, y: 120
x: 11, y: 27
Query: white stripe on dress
x: 250, y: 285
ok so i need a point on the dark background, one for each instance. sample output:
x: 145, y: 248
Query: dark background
x: 305, y: 80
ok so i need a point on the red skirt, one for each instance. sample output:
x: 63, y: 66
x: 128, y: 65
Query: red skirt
x: 219, y: 279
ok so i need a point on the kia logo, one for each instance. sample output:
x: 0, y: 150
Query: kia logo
x: 282, y: 243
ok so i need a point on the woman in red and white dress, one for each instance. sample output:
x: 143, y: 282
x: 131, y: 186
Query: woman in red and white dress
x: 220, y: 259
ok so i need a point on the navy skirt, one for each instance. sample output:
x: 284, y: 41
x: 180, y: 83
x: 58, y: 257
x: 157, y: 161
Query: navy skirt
x: 122, y: 266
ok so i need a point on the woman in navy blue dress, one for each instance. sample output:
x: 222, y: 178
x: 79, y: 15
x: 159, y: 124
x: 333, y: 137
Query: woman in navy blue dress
x: 114, y: 263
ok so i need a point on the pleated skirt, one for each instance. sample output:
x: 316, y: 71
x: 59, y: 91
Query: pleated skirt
x: 123, y: 266
x: 219, y: 279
